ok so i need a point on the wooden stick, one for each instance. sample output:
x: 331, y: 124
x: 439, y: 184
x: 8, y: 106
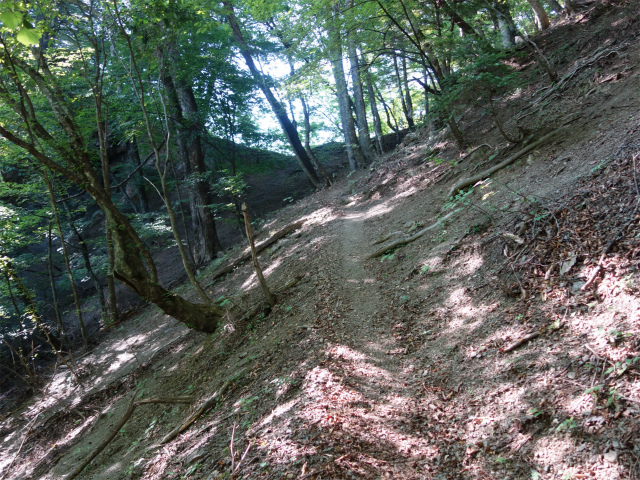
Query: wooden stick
x: 254, y: 256
x: 203, y: 408
x: 412, y: 238
x: 520, y: 342
x: 266, y: 244
x: 487, y: 173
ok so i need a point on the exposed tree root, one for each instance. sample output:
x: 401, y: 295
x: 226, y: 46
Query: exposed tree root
x: 412, y: 238
x: 261, y: 306
x: 472, y: 152
x: 487, y: 173
x: 127, y: 415
x: 203, y: 408
x: 267, y: 243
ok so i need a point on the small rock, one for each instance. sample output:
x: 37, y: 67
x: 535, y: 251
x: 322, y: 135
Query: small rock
x: 571, y: 375
x: 195, y: 457
x: 575, y: 288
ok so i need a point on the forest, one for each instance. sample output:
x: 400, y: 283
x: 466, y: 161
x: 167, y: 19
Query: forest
x: 143, y: 141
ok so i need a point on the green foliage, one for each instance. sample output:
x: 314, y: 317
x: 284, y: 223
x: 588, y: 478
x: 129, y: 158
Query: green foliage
x: 478, y: 82
x: 15, y: 18
x: 387, y: 256
x: 459, y: 199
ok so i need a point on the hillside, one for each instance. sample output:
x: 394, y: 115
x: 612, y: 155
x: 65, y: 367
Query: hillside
x: 503, y: 343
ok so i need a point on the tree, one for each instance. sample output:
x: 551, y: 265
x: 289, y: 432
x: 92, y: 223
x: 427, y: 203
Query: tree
x: 334, y: 48
x: 52, y: 137
x: 542, y: 19
x: 279, y: 111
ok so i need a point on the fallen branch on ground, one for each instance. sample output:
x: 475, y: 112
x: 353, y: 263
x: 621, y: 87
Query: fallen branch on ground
x: 527, y: 338
x: 412, y: 238
x: 127, y: 415
x: 267, y: 243
x: 203, y: 408
x: 466, y: 182
x: 522, y: 341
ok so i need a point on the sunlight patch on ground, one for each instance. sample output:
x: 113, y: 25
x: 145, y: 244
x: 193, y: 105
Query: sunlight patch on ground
x: 321, y: 216
x: 376, y: 211
x: 278, y: 412
x: 119, y: 361
x: 470, y: 266
x: 581, y: 405
x: 342, y: 351
x: 405, y: 193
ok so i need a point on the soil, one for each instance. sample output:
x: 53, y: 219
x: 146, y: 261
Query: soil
x: 472, y: 352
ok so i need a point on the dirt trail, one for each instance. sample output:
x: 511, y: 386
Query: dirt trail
x: 361, y: 288
x: 369, y: 387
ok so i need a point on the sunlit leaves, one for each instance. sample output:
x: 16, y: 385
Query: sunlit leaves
x: 13, y: 15
x: 11, y: 19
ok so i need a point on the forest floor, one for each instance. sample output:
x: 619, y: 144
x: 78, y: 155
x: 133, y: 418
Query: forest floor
x: 473, y: 352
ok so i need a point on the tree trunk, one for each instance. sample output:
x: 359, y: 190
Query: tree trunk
x: 358, y: 99
x: 464, y: 26
x: 133, y: 264
x: 405, y: 109
x: 307, y: 142
x: 254, y: 256
x: 407, y: 92
x: 54, y: 292
x: 555, y: 6
x: 569, y: 7
x: 542, y: 19
x: 377, y: 124
x: 204, y: 220
x: 140, y: 184
x: 389, y: 114
x: 87, y: 264
x: 76, y: 298
x: 356, y: 158
x: 111, y: 284
x: 501, y: 11
x: 182, y: 102
x: 279, y: 111
x: 131, y: 271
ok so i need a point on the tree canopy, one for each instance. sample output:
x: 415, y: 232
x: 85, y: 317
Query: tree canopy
x: 123, y: 118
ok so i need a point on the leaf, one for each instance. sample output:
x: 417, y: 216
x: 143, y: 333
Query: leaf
x: 29, y: 36
x: 11, y: 19
x: 567, y: 264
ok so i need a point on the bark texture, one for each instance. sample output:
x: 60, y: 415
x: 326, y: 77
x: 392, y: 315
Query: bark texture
x: 356, y: 158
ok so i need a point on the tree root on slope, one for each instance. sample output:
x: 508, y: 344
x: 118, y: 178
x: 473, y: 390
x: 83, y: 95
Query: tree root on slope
x: 412, y: 238
x: 127, y: 415
x: 466, y: 182
x: 203, y: 408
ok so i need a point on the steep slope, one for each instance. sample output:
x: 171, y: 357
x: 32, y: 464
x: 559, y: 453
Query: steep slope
x: 472, y: 352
